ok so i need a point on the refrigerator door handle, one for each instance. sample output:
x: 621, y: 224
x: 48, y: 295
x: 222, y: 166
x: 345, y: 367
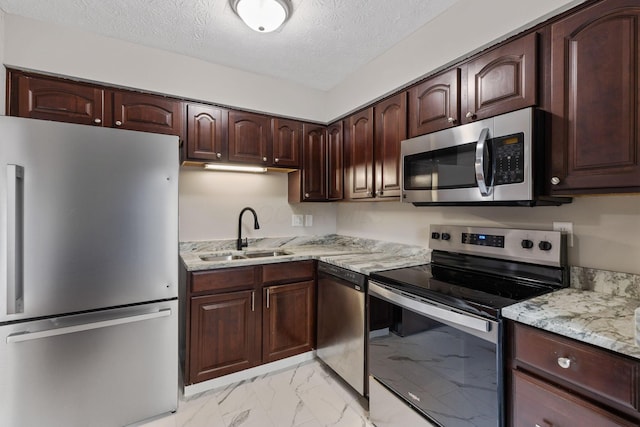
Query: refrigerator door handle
x: 15, y: 205
x: 29, y: 336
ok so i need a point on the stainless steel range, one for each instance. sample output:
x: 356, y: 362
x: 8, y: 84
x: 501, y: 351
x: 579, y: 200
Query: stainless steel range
x: 435, y: 334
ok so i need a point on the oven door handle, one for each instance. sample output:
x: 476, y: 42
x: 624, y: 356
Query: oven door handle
x: 481, y: 179
x: 430, y: 310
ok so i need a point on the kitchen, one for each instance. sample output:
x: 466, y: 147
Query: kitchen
x: 606, y: 228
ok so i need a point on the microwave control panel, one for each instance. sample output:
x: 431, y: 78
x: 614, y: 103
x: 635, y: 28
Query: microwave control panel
x: 508, y: 156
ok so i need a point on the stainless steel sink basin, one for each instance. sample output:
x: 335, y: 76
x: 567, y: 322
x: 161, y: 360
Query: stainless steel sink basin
x: 224, y: 257
x: 265, y: 254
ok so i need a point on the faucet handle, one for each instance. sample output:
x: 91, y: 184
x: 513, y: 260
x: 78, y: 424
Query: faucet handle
x: 245, y: 242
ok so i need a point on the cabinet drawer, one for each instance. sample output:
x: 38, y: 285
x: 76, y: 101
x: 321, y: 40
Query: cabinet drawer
x: 597, y: 371
x: 538, y: 403
x: 287, y: 272
x: 225, y: 279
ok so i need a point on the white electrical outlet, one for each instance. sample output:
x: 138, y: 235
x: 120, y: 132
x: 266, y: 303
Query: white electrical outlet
x: 297, y: 220
x: 308, y: 220
x: 565, y: 228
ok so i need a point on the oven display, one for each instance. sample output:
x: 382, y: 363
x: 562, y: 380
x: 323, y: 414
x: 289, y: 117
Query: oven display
x: 483, y: 240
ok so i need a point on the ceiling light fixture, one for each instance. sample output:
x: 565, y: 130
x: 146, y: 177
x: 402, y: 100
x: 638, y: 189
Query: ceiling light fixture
x: 263, y: 16
x: 234, y: 168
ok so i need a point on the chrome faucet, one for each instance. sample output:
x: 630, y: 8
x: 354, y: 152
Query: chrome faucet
x: 240, y: 244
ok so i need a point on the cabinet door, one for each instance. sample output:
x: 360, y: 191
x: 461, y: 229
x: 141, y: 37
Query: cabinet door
x: 206, y: 132
x: 59, y: 100
x: 594, y: 99
x: 335, y: 163
x: 390, y: 117
x: 314, y: 163
x: 502, y: 80
x: 287, y: 138
x: 146, y: 113
x: 538, y: 403
x: 249, y: 138
x: 435, y: 103
x: 224, y: 335
x: 359, y: 156
x: 288, y: 320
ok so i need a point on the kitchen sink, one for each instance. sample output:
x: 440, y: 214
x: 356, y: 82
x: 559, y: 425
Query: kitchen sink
x: 224, y: 257
x: 265, y: 254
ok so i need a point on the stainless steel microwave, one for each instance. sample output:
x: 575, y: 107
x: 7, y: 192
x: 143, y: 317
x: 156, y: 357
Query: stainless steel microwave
x: 495, y: 161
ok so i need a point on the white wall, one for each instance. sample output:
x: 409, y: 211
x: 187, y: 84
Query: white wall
x: 51, y: 48
x: 210, y: 203
x: 606, y: 228
x: 461, y: 29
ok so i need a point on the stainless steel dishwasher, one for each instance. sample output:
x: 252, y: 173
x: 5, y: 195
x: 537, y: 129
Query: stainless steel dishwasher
x: 341, y: 323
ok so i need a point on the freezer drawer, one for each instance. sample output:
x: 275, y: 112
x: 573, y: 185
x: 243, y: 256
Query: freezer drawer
x: 110, y: 368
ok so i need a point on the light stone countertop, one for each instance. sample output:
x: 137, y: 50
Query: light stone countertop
x: 361, y: 255
x: 600, y: 312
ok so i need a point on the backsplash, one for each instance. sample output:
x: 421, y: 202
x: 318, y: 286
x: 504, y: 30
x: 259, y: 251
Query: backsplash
x: 607, y: 282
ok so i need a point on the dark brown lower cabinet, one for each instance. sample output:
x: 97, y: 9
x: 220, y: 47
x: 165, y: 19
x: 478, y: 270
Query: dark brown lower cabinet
x: 557, y: 381
x: 223, y: 335
x: 244, y: 316
x: 288, y: 320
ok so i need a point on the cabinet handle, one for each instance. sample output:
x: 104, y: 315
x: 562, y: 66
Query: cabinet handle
x: 276, y: 160
x: 267, y: 297
x: 118, y: 123
x: 470, y: 115
x: 451, y: 120
x: 253, y: 301
x: 218, y: 155
x: 555, y: 180
x: 97, y: 121
x: 564, y: 362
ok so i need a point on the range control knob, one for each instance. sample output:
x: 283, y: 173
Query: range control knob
x: 435, y: 235
x: 446, y: 236
x: 527, y: 244
x: 544, y: 245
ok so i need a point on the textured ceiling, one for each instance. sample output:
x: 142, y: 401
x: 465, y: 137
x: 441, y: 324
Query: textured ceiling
x: 320, y: 45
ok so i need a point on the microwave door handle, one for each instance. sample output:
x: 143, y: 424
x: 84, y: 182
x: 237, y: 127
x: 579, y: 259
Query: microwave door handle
x: 480, y: 162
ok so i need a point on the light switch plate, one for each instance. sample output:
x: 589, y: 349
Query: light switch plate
x: 297, y: 220
x: 565, y: 228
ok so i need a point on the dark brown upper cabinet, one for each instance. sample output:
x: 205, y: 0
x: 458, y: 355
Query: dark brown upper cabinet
x: 287, y: 139
x: 314, y: 163
x: 595, y: 84
x: 359, y: 155
x: 55, y: 99
x: 335, y: 161
x: 249, y: 138
x: 503, y: 79
x: 435, y: 103
x: 390, y: 119
x: 207, y: 132
x: 49, y: 98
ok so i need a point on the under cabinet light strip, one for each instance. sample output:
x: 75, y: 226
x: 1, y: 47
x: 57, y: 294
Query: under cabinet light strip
x: 235, y: 168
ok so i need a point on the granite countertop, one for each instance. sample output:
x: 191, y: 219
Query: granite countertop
x: 361, y: 255
x: 598, y: 309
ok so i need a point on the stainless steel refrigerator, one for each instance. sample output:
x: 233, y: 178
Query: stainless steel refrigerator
x: 88, y: 274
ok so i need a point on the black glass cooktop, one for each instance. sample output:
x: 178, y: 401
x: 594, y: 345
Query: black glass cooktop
x: 472, y: 291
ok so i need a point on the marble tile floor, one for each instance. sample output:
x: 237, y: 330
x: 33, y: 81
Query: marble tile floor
x: 307, y: 395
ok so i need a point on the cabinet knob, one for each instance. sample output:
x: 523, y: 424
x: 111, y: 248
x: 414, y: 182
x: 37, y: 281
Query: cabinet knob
x: 555, y: 180
x: 264, y: 159
x: 451, y: 120
x: 218, y: 155
x: 564, y: 362
x: 379, y: 193
x: 97, y: 121
x: 470, y: 115
x: 118, y: 123
x: 369, y: 194
x: 276, y: 160
x: 306, y: 195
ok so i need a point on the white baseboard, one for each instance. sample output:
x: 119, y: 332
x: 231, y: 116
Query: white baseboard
x: 194, y: 389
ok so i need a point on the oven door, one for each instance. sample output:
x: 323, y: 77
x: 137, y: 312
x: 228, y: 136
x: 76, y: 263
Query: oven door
x: 442, y: 363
